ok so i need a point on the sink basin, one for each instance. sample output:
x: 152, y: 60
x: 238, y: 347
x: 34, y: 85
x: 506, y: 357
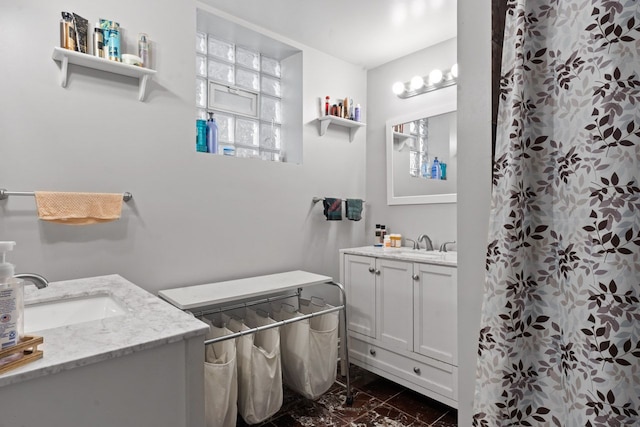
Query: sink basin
x: 421, y: 253
x: 69, y: 311
x: 431, y: 255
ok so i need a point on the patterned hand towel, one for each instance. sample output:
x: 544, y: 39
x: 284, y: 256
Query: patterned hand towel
x: 354, y: 209
x: 78, y: 208
x: 332, y: 209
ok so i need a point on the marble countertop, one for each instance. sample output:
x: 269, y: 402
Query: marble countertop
x: 449, y: 259
x: 149, y: 322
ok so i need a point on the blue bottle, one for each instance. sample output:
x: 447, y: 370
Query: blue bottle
x: 212, y: 135
x: 435, y: 169
x: 443, y: 171
x: 201, y: 136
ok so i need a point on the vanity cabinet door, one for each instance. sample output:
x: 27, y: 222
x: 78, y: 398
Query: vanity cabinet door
x: 360, y: 285
x: 435, y: 312
x: 395, y: 303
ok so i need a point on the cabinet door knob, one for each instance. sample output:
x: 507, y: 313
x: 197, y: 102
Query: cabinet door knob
x: 372, y: 352
x: 416, y: 370
x: 371, y: 269
x: 378, y: 272
x: 416, y: 277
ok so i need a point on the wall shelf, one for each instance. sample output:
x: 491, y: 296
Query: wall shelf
x: 403, y: 139
x: 351, y: 124
x: 66, y: 57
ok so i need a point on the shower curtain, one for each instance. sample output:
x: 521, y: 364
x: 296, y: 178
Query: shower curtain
x: 560, y: 331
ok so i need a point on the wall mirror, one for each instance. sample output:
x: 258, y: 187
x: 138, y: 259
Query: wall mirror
x: 414, y: 142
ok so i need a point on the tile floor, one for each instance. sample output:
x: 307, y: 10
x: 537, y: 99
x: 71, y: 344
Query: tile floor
x: 377, y: 402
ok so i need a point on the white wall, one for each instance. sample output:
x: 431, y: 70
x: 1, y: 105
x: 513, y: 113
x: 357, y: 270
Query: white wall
x: 195, y: 218
x: 474, y: 183
x: 436, y: 220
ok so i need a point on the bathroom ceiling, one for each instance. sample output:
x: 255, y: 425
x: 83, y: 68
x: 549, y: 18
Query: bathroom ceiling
x: 363, y: 32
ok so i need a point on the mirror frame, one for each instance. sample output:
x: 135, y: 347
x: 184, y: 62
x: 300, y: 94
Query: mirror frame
x: 435, y: 110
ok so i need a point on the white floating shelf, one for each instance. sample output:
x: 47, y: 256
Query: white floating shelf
x: 351, y: 124
x: 403, y: 139
x: 66, y: 56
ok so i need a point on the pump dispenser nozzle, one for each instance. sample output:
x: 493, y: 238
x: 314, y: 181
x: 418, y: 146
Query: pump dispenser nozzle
x: 6, y: 269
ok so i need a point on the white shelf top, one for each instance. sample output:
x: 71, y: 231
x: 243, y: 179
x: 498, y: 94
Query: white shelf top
x: 190, y: 297
x: 66, y: 57
x: 103, y: 64
x: 342, y: 121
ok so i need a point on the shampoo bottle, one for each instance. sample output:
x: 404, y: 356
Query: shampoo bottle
x: 11, y: 303
x: 212, y: 135
x: 435, y: 169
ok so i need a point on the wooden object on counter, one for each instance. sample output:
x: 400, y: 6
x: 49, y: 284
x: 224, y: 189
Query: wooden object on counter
x: 28, y: 346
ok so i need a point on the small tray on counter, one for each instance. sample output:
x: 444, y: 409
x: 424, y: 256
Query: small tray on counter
x: 28, y: 347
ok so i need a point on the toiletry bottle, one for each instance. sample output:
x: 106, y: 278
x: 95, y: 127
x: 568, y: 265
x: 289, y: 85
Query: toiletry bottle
x: 143, y: 49
x: 377, y: 239
x: 383, y: 232
x: 443, y: 170
x: 435, y: 169
x: 11, y: 302
x: 67, y: 32
x: 326, y: 106
x: 98, y: 41
x: 426, y: 173
x: 113, y: 43
x: 201, y: 136
x: 212, y: 135
x: 356, y: 114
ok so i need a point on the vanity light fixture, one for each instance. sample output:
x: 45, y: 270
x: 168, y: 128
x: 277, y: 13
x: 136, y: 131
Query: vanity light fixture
x: 398, y: 88
x: 416, y: 83
x: 437, y: 79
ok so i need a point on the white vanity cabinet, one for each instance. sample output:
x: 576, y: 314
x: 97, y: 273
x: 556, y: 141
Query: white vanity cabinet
x: 402, y: 320
x: 380, y: 292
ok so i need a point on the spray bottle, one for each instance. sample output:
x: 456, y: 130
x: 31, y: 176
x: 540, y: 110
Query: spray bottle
x: 11, y: 302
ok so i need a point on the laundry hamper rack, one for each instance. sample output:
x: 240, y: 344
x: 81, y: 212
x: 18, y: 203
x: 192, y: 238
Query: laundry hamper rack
x: 224, y: 296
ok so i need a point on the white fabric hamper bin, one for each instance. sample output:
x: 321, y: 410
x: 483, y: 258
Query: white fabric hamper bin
x: 309, y: 348
x: 220, y: 379
x: 259, y: 370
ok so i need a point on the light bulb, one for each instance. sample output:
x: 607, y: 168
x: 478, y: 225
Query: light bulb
x: 454, y: 70
x: 397, y: 88
x: 435, y: 77
x: 416, y: 82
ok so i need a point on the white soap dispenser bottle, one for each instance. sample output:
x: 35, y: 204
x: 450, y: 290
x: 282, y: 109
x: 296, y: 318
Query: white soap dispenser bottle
x: 11, y: 301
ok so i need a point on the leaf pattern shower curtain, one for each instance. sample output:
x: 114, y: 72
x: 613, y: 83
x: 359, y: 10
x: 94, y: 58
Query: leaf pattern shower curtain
x: 560, y: 336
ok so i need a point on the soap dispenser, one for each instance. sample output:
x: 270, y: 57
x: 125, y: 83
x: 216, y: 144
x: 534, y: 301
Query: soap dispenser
x: 11, y: 302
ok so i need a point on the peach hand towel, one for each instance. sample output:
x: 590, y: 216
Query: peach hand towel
x: 78, y: 208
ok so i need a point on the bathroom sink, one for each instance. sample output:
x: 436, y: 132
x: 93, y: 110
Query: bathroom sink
x: 430, y: 255
x: 69, y: 311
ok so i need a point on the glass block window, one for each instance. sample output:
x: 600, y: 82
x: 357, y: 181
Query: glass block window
x: 422, y: 169
x: 245, y: 72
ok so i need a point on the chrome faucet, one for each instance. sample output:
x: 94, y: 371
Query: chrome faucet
x: 36, y: 279
x: 443, y: 247
x: 416, y: 245
x: 427, y: 241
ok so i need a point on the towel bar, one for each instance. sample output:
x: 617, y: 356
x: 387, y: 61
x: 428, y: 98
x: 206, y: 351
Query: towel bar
x: 319, y: 199
x: 4, y: 194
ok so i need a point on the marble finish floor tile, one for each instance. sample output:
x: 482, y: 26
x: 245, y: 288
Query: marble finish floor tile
x: 378, y: 402
x: 386, y: 416
x: 419, y: 406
